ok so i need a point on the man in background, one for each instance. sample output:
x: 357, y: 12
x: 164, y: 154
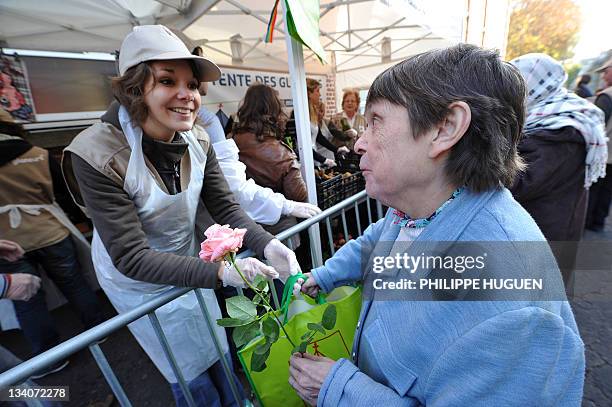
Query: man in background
x: 600, y: 193
x: 31, y: 218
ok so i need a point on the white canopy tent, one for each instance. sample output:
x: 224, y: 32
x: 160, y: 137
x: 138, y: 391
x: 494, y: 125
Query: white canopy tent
x: 354, y: 33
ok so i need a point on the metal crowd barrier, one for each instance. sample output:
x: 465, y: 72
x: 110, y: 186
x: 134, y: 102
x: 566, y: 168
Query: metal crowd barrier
x: 91, y: 337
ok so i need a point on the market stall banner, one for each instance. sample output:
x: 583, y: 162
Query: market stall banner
x: 226, y: 93
x: 15, y: 95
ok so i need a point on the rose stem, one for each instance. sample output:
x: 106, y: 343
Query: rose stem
x: 262, y: 297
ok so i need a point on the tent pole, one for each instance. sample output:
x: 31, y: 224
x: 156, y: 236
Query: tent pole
x: 297, y: 74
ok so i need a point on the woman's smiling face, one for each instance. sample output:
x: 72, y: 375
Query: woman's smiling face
x: 172, y: 99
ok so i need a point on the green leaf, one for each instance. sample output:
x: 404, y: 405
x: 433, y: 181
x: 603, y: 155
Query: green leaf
x: 301, y: 348
x: 244, y: 334
x: 258, y: 279
x: 263, y: 347
x: 270, y: 329
x: 315, y: 327
x: 329, y: 317
x: 258, y: 361
x: 228, y: 322
x: 240, y: 307
x: 257, y: 299
x: 260, y: 283
x: 306, y: 335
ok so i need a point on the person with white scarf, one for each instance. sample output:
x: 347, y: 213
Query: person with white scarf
x: 565, y: 148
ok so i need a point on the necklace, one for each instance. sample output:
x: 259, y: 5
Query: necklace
x: 405, y: 221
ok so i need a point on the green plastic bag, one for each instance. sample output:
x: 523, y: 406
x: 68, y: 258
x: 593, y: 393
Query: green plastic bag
x: 271, y: 385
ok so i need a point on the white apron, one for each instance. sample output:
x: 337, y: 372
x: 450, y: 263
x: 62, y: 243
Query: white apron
x: 169, y: 224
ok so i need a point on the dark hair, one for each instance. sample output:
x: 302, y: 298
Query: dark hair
x: 12, y: 129
x: 128, y: 89
x: 583, y: 79
x: 426, y: 84
x: 198, y: 51
x: 261, y: 113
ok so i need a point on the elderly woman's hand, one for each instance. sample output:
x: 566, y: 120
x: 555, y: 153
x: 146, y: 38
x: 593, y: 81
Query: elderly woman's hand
x: 310, y: 287
x: 307, y: 374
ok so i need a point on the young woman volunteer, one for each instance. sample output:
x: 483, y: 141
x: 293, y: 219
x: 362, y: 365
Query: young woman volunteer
x: 149, y: 180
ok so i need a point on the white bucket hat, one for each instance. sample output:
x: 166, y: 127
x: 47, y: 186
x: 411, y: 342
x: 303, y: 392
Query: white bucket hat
x: 158, y: 43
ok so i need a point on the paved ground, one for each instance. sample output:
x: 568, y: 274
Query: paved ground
x: 592, y: 304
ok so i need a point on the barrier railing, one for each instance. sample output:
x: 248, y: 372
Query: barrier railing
x: 91, y: 337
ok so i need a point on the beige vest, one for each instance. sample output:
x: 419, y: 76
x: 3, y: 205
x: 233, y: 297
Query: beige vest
x: 359, y: 125
x: 106, y: 149
x: 27, y: 181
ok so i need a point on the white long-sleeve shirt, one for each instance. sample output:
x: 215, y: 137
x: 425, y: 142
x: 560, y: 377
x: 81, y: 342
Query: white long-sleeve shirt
x: 262, y: 204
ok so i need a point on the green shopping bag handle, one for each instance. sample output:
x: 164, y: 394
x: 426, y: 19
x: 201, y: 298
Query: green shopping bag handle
x: 288, y: 293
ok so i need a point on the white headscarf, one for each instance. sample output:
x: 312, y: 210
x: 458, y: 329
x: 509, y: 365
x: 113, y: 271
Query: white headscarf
x: 550, y: 106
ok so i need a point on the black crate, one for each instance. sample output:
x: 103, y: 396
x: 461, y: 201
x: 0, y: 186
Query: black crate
x: 352, y: 184
x: 348, y: 162
x: 329, y: 192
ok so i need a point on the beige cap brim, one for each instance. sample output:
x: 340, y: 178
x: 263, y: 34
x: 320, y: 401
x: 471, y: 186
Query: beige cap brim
x: 606, y: 64
x: 208, y: 70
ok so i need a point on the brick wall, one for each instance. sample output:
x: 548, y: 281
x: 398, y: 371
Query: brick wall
x: 330, y: 95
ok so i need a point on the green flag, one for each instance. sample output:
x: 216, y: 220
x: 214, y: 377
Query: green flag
x: 303, y: 24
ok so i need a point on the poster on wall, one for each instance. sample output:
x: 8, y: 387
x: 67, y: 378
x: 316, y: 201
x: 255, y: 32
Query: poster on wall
x: 15, y: 95
x: 225, y: 94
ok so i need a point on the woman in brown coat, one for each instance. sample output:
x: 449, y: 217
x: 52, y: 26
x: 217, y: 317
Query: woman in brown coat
x: 258, y: 134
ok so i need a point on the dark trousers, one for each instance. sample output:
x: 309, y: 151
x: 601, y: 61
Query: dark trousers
x: 600, y: 196
x: 211, y: 388
x: 61, y: 265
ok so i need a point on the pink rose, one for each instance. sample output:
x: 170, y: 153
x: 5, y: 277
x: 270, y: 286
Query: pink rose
x: 220, y: 240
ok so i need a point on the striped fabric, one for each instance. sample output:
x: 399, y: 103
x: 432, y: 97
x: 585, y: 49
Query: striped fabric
x: 550, y: 106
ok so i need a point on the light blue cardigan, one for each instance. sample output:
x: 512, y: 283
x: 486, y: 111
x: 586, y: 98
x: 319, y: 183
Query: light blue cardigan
x: 453, y: 353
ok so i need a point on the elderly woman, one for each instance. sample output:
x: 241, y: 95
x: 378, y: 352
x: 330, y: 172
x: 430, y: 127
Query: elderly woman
x: 349, y: 120
x: 440, y: 147
x: 565, y: 151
